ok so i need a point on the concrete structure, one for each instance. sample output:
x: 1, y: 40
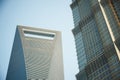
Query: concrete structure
x: 97, y: 38
x: 1, y: 73
x: 36, y: 55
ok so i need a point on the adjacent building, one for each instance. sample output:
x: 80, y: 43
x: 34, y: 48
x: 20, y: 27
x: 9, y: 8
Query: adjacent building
x: 97, y: 38
x: 36, y: 55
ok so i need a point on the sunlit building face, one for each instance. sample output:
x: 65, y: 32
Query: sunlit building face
x: 36, y: 55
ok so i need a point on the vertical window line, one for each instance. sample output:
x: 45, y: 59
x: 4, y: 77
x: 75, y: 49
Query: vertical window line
x: 110, y: 30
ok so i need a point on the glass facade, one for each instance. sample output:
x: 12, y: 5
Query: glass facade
x: 96, y: 52
x: 80, y: 50
x: 116, y: 7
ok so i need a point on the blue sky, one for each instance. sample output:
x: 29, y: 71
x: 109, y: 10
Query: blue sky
x: 49, y: 14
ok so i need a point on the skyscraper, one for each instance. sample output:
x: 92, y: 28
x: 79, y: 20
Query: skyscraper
x: 36, y: 55
x: 97, y: 38
x: 1, y: 73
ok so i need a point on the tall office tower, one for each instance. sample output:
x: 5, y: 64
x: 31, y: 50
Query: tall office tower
x: 1, y: 73
x: 36, y: 55
x: 97, y: 38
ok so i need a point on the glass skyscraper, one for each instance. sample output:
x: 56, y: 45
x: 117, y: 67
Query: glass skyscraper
x: 36, y: 55
x: 97, y: 38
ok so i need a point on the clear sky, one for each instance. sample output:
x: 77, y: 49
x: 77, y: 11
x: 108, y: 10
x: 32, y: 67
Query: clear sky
x: 50, y: 14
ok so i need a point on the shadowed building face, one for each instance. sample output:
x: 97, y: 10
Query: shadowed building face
x: 97, y: 38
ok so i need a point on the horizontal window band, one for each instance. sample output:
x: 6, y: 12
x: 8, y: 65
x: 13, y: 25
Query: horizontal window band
x: 82, y: 23
x: 39, y: 34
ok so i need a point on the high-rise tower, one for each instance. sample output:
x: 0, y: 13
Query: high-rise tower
x: 1, y: 73
x: 97, y: 38
x: 36, y: 55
